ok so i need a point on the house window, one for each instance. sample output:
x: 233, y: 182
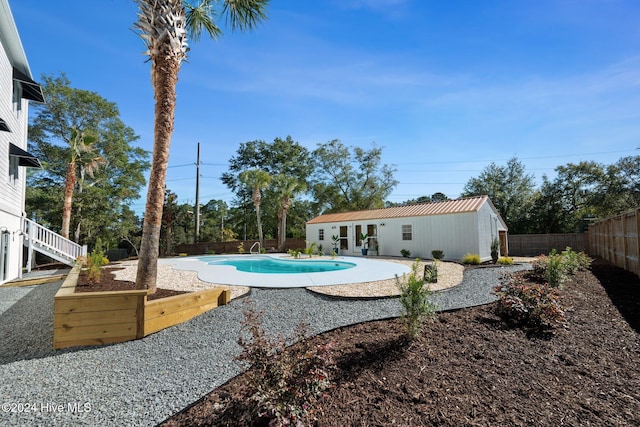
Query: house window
x: 407, y: 232
x: 17, y: 97
x: 13, y: 170
x: 321, y: 234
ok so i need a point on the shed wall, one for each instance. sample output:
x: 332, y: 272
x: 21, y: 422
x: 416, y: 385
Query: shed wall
x: 455, y: 234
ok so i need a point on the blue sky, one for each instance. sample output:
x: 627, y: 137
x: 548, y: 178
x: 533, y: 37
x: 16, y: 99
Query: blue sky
x: 445, y: 87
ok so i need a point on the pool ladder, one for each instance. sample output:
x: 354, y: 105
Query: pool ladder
x: 253, y: 246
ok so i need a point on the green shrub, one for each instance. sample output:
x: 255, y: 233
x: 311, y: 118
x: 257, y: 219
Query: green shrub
x: 505, y: 260
x: 533, y: 306
x: 556, y: 270
x: 431, y: 272
x: 405, y: 253
x: 95, y: 261
x: 495, y: 250
x: 414, y: 297
x: 284, y: 384
x: 437, y: 254
x: 295, y: 253
x: 310, y: 249
x: 241, y: 248
x: 473, y: 259
x: 575, y: 261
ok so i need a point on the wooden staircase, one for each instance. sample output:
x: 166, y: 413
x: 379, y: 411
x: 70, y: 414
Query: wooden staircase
x: 53, y: 245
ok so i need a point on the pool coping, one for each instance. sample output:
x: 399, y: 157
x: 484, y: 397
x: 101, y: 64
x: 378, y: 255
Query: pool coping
x: 365, y: 270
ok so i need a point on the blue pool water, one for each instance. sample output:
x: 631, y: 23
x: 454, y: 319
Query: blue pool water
x: 278, y: 266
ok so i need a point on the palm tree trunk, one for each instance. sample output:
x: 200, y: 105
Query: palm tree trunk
x: 165, y: 77
x: 70, y: 182
x: 282, y: 217
x: 280, y: 243
x: 259, y: 223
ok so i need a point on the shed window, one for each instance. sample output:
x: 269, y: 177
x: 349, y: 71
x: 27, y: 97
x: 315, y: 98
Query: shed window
x: 321, y: 234
x: 407, y: 232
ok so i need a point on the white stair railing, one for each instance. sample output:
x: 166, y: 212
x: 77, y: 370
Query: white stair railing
x: 51, y: 242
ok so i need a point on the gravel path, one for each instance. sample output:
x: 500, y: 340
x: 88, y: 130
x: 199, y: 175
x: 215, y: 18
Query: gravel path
x: 143, y: 382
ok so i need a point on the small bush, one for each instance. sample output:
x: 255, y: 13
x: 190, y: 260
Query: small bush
x: 473, y: 259
x: 431, y: 273
x: 95, y: 261
x: 405, y: 253
x: 505, y: 260
x: 283, y: 384
x: 575, y: 261
x: 558, y: 267
x: 295, y: 253
x: 310, y: 249
x: 437, y: 254
x: 495, y: 250
x: 241, y: 248
x: 556, y: 270
x: 414, y: 297
x: 533, y: 306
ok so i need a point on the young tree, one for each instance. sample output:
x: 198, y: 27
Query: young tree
x: 169, y: 214
x: 285, y: 187
x: 76, y: 133
x: 81, y: 154
x: 256, y: 180
x: 349, y: 181
x: 163, y: 26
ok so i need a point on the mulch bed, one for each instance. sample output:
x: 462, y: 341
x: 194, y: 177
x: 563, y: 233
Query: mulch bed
x: 469, y: 368
x: 108, y: 282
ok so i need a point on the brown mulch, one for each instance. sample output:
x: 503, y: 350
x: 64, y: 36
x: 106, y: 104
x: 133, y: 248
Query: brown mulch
x: 108, y: 282
x: 469, y: 368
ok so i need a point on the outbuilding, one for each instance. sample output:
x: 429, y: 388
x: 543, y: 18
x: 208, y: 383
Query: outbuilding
x: 456, y: 227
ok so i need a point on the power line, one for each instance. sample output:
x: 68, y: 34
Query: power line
x: 519, y: 158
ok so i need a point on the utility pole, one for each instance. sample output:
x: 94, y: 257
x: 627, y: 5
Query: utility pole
x: 196, y: 234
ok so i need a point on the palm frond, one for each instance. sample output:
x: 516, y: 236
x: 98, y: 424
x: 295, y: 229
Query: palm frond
x: 201, y: 17
x: 244, y: 14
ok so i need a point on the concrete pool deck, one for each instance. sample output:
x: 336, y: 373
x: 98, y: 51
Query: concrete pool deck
x: 365, y: 270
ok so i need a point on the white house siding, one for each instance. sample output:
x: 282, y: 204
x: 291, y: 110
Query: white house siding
x: 455, y: 233
x: 12, y: 192
x: 488, y: 228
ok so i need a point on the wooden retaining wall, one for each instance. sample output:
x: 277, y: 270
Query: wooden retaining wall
x: 616, y: 240
x: 96, y: 318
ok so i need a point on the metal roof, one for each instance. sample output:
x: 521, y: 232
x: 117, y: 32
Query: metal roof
x: 468, y: 204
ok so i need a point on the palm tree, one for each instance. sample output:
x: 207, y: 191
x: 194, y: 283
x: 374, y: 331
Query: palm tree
x: 83, y: 155
x: 285, y: 187
x: 256, y: 180
x: 163, y: 26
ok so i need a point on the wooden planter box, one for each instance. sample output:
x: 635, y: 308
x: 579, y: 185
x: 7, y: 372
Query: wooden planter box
x: 96, y: 318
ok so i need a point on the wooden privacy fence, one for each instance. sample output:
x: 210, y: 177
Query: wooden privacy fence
x: 232, y: 247
x: 536, y: 244
x: 616, y: 240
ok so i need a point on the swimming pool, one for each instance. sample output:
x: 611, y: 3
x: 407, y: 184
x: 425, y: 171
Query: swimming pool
x: 268, y: 265
x: 210, y: 269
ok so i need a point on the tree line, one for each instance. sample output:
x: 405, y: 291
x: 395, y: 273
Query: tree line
x: 93, y: 172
